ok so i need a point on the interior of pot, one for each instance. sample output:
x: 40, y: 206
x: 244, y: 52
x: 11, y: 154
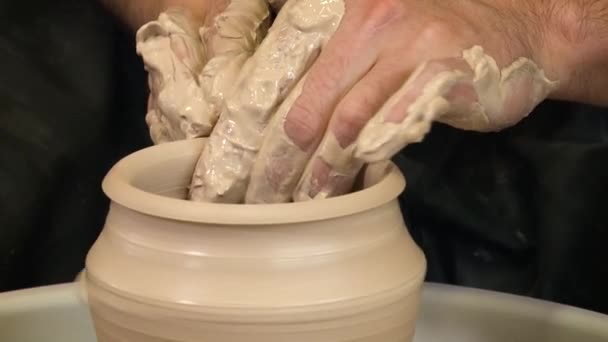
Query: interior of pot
x: 155, y: 181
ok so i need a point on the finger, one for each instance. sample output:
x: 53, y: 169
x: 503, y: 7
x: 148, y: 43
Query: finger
x: 223, y: 171
x: 213, y: 8
x: 173, y: 55
x: 333, y: 168
x: 434, y: 89
x: 158, y: 131
x: 336, y: 71
x: 372, y: 174
x: 232, y: 38
x: 469, y: 93
x: 273, y: 174
x: 507, y: 95
x: 294, y: 135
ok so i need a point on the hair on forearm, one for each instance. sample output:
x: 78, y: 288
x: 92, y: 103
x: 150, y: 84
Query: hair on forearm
x: 135, y: 13
x: 579, y: 20
x: 579, y: 31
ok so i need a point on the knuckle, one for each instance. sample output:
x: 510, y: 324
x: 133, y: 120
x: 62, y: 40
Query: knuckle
x: 436, y: 31
x: 303, y: 124
x: 381, y: 12
x: 351, y: 117
x: 353, y: 114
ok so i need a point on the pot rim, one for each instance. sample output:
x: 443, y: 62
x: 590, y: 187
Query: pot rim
x: 118, y: 186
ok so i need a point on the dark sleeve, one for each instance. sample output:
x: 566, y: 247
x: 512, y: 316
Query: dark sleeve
x: 521, y: 211
x: 67, y: 113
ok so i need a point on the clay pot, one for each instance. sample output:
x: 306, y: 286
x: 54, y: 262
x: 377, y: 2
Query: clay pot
x: 167, y: 269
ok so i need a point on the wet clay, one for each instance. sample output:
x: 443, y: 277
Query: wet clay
x: 274, y: 177
x: 293, y: 42
x: 189, y: 75
x: 274, y: 172
x: 168, y: 269
x: 498, y: 97
x: 344, y: 168
x: 231, y: 40
x: 381, y: 139
x: 174, y: 57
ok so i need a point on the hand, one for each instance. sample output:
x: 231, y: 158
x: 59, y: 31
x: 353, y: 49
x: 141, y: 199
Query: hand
x: 392, y: 68
x: 261, y: 88
x: 189, y: 73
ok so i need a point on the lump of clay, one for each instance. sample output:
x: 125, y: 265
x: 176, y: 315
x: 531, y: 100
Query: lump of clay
x: 293, y: 42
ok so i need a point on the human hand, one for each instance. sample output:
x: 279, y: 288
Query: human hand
x: 390, y: 69
x: 268, y: 82
x: 190, y: 70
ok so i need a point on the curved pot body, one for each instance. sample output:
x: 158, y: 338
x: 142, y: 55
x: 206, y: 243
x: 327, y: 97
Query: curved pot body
x: 167, y: 269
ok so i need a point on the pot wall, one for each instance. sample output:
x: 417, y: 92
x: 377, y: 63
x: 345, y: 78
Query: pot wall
x: 342, y: 269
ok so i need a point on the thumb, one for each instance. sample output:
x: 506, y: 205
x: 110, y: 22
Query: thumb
x: 469, y: 93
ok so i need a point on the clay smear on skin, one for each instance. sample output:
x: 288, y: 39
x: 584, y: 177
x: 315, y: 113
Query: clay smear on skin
x: 381, y: 138
x: 250, y: 90
x: 185, y: 87
x: 274, y: 184
x: 461, y: 92
x: 464, y: 93
x: 293, y: 42
x: 231, y: 40
x: 173, y: 57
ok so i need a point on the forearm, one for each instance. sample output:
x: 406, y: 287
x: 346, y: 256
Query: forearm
x: 575, y: 48
x: 138, y: 12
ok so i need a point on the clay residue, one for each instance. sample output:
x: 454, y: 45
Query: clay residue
x: 469, y: 93
x: 293, y: 42
x: 277, y: 4
x: 231, y: 40
x: 339, y: 170
x: 188, y: 74
x: 278, y: 165
x: 502, y: 95
x: 174, y: 57
x: 237, y: 80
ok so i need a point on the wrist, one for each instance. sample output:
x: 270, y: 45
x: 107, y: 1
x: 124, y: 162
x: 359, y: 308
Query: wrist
x: 573, y: 48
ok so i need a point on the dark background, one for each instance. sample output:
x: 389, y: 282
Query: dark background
x: 522, y: 211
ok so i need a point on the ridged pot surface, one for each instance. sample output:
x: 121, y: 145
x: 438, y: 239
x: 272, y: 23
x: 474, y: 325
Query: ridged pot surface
x: 167, y: 269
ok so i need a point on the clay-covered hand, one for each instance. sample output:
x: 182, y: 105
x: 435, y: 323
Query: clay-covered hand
x: 190, y: 69
x: 392, y: 68
x: 265, y: 88
x: 174, y: 57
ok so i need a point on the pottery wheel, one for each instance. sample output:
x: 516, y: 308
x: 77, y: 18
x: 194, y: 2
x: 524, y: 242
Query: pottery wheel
x: 454, y: 314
